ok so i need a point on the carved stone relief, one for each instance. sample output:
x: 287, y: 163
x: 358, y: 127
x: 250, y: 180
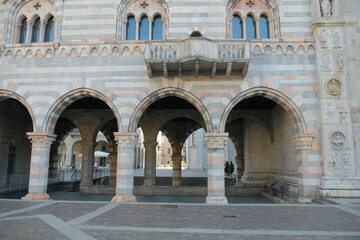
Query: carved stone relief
x: 336, y: 39
x: 338, y: 140
x: 326, y: 8
x: 324, y: 37
x: 326, y: 62
x: 339, y: 61
x: 334, y: 87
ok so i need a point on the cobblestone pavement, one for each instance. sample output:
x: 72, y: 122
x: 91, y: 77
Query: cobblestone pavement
x: 87, y: 220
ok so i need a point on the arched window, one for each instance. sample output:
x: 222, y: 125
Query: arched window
x: 237, y: 27
x: 250, y: 27
x: 49, y: 30
x: 23, y: 31
x: 144, y: 28
x: 157, y: 27
x: 264, y: 27
x: 130, y: 28
x: 35, y: 38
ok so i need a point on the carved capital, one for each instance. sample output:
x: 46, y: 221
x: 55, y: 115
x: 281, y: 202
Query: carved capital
x: 303, y: 141
x: 216, y: 140
x: 126, y: 140
x: 41, y: 140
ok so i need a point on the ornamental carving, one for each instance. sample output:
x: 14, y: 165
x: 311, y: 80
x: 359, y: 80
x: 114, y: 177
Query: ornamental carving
x: 338, y: 140
x: 339, y: 61
x: 41, y: 141
x: 126, y: 140
x: 218, y: 140
x: 303, y: 141
x: 334, y: 87
x: 326, y: 62
x: 326, y: 7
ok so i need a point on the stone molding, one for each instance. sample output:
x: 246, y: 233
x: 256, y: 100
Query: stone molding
x: 126, y: 140
x: 41, y: 140
x: 303, y: 141
x: 216, y: 140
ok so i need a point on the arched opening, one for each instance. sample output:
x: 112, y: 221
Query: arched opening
x: 166, y: 124
x: 144, y: 28
x: 82, y: 126
x: 157, y: 28
x: 237, y: 27
x: 250, y: 27
x: 23, y: 32
x: 264, y: 27
x: 49, y: 30
x: 130, y: 28
x: 266, y: 157
x: 35, y: 36
x: 15, y: 147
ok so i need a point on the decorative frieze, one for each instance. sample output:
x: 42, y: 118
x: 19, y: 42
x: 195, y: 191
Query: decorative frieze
x: 126, y: 140
x: 216, y: 140
x: 337, y: 140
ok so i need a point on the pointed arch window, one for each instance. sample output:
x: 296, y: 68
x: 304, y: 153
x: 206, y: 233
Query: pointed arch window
x: 49, y: 30
x: 23, y: 31
x: 264, y: 27
x: 157, y: 27
x: 130, y: 28
x: 144, y: 28
x: 35, y: 37
x: 250, y: 27
x: 237, y: 27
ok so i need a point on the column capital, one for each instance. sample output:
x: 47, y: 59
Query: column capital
x: 303, y: 141
x: 216, y: 140
x: 41, y: 140
x: 126, y: 140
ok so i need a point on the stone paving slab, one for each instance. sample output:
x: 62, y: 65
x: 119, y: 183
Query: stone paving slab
x: 129, y: 235
x: 10, y: 205
x: 309, y: 218
x: 30, y: 229
x: 65, y: 211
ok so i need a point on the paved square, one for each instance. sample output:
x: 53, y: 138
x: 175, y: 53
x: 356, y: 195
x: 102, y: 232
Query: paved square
x: 104, y: 220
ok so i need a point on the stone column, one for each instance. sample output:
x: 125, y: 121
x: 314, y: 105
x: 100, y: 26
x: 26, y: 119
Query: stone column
x: 113, y: 163
x: 257, y: 27
x: 239, y: 169
x: 29, y: 31
x: 125, y: 167
x: 150, y: 27
x: 243, y: 21
x: 40, y: 151
x: 42, y: 31
x: 150, y: 163
x: 176, y: 179
x: 87, y: 165
x: 215, y: 143
x: 303, y: 144
x: 137, y: 28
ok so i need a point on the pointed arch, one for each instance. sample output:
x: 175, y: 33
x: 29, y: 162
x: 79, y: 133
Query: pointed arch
x: 63, y: 102
x: 274, y: 95
x: 170, y: 92
x: 5, y: 94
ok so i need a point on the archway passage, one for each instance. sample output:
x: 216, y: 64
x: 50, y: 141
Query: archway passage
x: 91, y: 124
x: 15, y: 147
x: 176, y: 118
x: 262, y: 132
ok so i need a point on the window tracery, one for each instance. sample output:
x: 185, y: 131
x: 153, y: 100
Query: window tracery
x: 253, y: 19
x: 35, y: 22
x: 142, y: 20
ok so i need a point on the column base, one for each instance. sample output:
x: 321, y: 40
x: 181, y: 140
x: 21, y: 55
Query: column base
x: 124, y: 198
x: 216, y: 200
x: 36, y: 196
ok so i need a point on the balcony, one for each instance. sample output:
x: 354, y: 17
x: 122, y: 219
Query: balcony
x: 197, y: 56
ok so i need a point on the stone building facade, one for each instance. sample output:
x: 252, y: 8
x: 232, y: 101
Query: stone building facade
x: 277, y: 77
